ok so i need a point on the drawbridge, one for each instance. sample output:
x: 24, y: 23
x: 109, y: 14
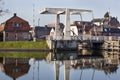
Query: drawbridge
x: 62, y: 40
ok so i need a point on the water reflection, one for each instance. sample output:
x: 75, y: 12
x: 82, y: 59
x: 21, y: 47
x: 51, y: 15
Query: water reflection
x: 14, y: 67
x: 82, y: 65
x: 95, y: 61
x: 65, y: 55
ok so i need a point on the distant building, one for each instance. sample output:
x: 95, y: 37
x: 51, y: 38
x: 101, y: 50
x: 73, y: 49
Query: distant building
x: 81, y: 28
x: 15, y: 29
x: 85, y: 26
x: 109, y: 27
x: 77, y: 29
x: 41, y: 32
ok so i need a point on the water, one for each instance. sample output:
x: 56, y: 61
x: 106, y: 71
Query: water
x: 60, y: 66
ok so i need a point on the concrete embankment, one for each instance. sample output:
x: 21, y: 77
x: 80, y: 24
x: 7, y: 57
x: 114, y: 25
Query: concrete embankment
x: 23, y: 50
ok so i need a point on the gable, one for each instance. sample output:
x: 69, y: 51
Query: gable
x: 16, y: 23
x: 113, y: 21
x: 17, y: 19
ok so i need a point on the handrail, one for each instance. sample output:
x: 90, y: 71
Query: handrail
x: 89, y: 37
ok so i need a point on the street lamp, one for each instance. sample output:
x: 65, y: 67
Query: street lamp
x: 38, y: 21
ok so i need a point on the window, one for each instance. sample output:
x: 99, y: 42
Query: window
x: 26, y: 35
x: 6, y: 34
x: 16, y: 24
x: 16, y: 37
x: 16, y: 70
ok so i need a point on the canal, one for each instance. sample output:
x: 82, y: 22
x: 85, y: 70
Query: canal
x: 82, y: 65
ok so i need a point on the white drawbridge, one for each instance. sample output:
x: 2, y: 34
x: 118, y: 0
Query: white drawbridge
x: 63, y: 40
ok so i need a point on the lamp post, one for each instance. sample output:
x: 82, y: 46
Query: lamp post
x: 38, y: 21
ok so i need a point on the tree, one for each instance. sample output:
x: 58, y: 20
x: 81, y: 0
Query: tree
x: 106, y: 15
x: 2, y: 10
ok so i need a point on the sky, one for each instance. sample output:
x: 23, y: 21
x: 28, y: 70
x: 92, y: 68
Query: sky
x: 24, y: 9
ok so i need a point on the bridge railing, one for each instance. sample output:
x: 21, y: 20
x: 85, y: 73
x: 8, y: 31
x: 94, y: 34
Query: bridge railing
x: 112, y: 38
x: 87, y: 37
x: 105, y: 38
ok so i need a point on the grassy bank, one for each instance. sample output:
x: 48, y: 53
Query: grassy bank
x: 24, y: 44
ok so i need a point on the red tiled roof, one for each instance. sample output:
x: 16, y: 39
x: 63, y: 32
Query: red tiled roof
x: 16, y: 18
x: 2, y: 27
x: 83, y: 25
x: 9, y: 24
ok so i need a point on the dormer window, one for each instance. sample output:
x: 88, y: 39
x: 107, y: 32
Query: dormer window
x: 16, y: 24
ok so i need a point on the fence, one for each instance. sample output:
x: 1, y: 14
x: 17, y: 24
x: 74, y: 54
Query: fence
x: 86, y: 37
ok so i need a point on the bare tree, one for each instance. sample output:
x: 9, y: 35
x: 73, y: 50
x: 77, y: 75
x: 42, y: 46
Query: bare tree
x: 2, y: 10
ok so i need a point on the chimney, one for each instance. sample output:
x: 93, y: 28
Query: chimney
x: 15, y: 14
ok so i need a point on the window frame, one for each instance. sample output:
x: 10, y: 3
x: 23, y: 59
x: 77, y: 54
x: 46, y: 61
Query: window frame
x: 17, y: 24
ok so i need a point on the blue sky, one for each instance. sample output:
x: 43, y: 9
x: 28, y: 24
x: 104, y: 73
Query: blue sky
x: 24, y: 8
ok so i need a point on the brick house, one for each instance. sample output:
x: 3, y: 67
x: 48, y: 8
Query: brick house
x: 15, y: 29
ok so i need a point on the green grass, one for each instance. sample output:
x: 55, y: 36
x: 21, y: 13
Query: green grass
x: 24, y: 44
